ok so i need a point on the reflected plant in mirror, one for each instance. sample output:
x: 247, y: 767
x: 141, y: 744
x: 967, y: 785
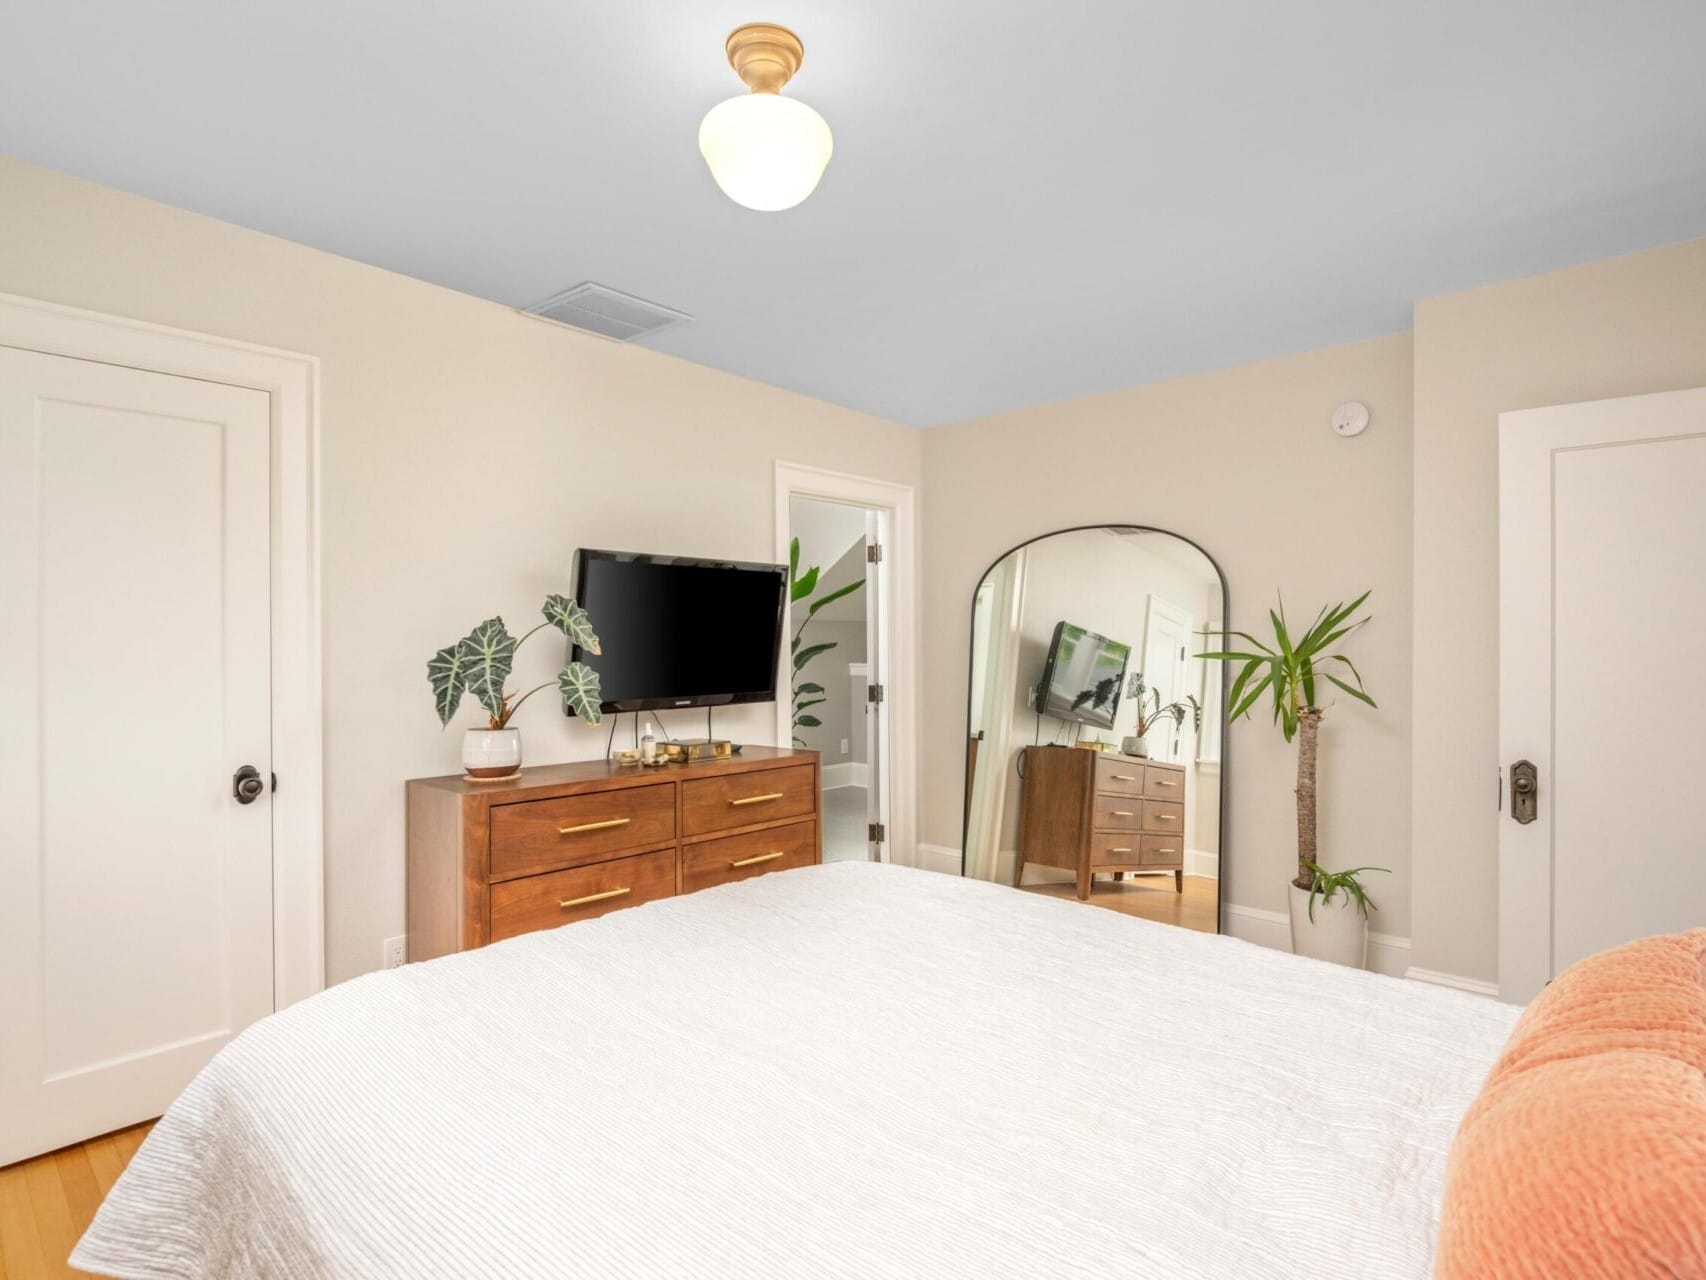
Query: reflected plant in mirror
x: 1151, y: 713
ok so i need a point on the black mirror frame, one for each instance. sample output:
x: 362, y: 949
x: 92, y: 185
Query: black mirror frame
x: 1226, y: 723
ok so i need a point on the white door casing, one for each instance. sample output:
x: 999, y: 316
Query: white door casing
x: 1166, y: 642
x: 1602, y: 606
x: 875, y: 715
x: 136, y: 893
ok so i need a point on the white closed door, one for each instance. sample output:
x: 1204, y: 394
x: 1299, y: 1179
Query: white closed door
x: 135, y: 888
x: 1602, y: 702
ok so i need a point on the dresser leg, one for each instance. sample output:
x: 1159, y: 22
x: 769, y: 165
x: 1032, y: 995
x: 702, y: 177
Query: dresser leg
x: 1084, y: 879
x: 1178, y: 882
x: 1018, y: 869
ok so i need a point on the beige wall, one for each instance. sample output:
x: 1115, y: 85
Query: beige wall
x: 1625, y: 326
x: 1243, y: 462
x: 466, y: 452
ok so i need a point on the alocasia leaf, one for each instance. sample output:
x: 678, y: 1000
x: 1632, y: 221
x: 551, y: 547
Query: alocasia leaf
x: 569, y: 618
x: 448, y: 674
x: 579, y: 685
x: 489, y: 652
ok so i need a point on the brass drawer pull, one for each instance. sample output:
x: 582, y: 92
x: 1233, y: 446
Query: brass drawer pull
x: 594, y: 897
x: 1166, y: 851
x: 1165, y: 817
x: 1121, y: 849
x: 758, y: 858
x: 1163, y: 782
x: 1123, y: 777
x: 768, y: 795
x: 1121, y: 813
x: 594, y: 826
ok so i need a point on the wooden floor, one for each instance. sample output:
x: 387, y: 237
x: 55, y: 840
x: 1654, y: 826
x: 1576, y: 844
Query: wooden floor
x: 46, y: 1203
x: 1151, y: 897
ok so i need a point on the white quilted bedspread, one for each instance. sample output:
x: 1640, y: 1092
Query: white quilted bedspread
x: 847, y: 1070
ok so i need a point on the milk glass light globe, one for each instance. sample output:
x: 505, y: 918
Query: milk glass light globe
x: 766, y: 152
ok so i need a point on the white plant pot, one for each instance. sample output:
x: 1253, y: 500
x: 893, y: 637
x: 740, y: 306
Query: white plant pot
x: 1338, y: 933
x: 1138, y: 747
x: 491, y: 753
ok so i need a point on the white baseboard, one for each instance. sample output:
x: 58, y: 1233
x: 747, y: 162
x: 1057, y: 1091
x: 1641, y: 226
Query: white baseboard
x: 1201, y: 862
x: 848, y: 773
x: 1474, y: 986
x: 1386, y: 953
x: 938, y: 857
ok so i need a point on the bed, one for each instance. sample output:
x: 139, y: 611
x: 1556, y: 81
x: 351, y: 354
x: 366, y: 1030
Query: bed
x: 843, y: 1070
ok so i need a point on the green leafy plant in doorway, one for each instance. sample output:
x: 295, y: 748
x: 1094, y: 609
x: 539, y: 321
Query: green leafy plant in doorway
x: 801, y: 585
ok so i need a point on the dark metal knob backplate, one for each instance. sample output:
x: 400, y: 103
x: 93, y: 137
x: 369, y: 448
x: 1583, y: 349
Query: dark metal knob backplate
x: 246, y: 784
x: 1525, y: 791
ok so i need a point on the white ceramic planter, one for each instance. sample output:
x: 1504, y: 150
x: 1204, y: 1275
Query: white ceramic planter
x: 1337, y: 933
x: 1138, y: 747
x: 491, y: 753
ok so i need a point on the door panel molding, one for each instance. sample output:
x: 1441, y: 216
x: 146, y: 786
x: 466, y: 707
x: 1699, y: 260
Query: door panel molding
x: 291, y: 382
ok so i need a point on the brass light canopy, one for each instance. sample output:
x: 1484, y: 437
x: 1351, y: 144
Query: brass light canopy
x: 764, y: 55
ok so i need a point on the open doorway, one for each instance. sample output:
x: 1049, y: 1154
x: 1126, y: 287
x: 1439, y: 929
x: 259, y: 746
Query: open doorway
x: 848, y: 670
x: 831, y: 566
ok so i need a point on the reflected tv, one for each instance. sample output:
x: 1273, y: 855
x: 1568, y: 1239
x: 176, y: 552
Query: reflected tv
x: 1083, y: 677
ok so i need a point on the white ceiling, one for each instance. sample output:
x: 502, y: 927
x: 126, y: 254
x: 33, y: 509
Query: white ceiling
x: 1026, y: 202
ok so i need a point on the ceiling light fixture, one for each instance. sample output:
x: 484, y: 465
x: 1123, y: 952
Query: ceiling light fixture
x: 766, y: 152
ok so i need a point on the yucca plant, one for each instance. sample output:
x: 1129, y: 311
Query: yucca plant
x: 1288, y: 671
x: 809, y: 693
x: 480, y: 663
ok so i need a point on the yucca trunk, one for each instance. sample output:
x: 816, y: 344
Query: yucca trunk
x: 1308, y: 729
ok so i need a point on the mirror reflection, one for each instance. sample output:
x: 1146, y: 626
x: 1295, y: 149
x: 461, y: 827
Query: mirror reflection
x: 1093, y: 766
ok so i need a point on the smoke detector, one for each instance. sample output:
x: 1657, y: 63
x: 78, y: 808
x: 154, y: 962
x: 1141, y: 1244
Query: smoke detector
x: 608, y: 312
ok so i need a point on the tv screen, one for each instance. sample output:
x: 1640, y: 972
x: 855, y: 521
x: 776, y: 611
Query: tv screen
x: 1083, y: 677
x: 678, y: 632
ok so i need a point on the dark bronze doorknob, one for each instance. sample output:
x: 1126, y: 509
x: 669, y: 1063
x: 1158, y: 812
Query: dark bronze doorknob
x: 246, y: 784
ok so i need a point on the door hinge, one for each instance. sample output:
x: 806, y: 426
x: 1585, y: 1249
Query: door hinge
x: 873, y: 693
x: 874, y: 553
x: 876, y: 833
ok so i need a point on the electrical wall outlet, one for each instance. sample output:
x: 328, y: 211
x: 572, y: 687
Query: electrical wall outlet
x: 844, y: 746
x: 396, y: 952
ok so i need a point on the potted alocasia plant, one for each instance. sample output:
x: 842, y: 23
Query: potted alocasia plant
x: 479, y: 664
x: 801, y: 585
x: 1329, y: 910
x: 1151, y: 712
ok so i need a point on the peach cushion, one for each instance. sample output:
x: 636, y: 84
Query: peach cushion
x: 1585, y: 1154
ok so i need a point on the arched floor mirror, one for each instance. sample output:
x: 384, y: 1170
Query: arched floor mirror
x: 1095, y: 747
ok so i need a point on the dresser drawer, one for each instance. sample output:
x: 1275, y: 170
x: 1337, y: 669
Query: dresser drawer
x: 1163, y: 784
x: 1112, y: 849
x: 562, y: 897
x: 1119, y: 776
x: 571, y: 831
x: 746, y: 799
x: 1165, y: 817
x: 752, y: 854
x: 1117, y: 813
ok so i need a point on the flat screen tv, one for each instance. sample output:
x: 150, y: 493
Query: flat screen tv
x: 680, y: 632
x: 1083, y: 677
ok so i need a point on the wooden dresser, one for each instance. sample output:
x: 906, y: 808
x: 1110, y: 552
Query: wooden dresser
x: 1091, y: 811
x: 487, y: 861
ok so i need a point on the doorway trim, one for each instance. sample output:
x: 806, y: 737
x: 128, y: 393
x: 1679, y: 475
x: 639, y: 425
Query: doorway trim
x: 292, y: 384
x: 899, y: 622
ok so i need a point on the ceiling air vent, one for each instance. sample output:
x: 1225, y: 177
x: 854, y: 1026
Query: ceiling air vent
x: 608, y: 312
